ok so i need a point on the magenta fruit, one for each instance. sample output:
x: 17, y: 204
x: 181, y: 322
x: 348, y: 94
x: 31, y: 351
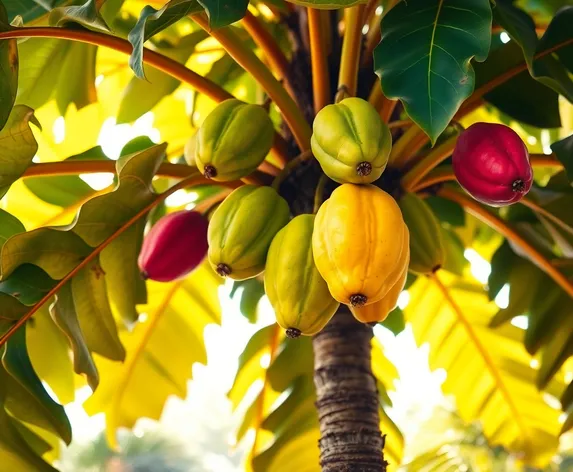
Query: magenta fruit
x: 491, y: 163
x: 175, y: 246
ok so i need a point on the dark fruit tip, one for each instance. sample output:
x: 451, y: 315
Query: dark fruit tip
x: 363, y: 169
x: 518, y: 185
x: 436, y: 268
x: 293, y: 333
x: 223, y: 270
x: 144, y: 275
x: 358, y: 300
x: 209, y: 172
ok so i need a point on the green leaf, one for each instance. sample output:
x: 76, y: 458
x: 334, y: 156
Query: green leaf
x: 522, y: 98
x: 29, y: 9
x: 455, y: 261
x: 564, y: 151
x: 9, y: 226
x: 10, y: 310
x: 151, y: 22
x: 521, y: 28
x: 65, y: 190
x: 102, y: 216
x: 447, y: 211
x: 224, y: 12
x: 8, y: 72
x: 295, y: 359
x: 395, y: 321
x: 424, y: 56
x: 27, y: 399
x: 15, y: 453
x: 86, y: 15
x: 94, y: 312
x: 140, y: 95
x: 327, y: 4
x: 125, y: 285
x: 56, y: 252
x: 28, y: 283
x: 17, y: 146
x: 558, y: 349
x: 501, y: 264
x: 64, y: 314
x: 252, y: 292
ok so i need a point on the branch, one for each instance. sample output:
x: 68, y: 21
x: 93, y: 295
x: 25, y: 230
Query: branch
x: 249, y: 61
x: 544, y: 213
x: 496, y: 223
x: 188, y: 182
x: 350, y: 60
x: 319, y: 60
x: 159, y: 61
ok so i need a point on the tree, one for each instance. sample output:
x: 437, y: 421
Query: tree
x: 70, y: 281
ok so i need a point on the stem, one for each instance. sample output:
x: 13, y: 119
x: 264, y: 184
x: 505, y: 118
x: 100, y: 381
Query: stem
x: 446, y: 174
x: 159, y: 61
x: 496, y: 223
x: 387, y: 109
x: 399, y: 148
x: 435, y: 157
x: 188, y: 182
x: 297, y: 161
x: 319, y: 59
x: 544, y: 213
x: 400, y: 124
x: 347, y: 397
x: 266, y: 41
x: 376, y: 97
x: 249, y: 61
x: 350, y: 59
x: 319, y: 192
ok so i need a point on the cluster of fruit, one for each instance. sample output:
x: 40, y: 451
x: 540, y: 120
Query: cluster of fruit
x: 357, y: 249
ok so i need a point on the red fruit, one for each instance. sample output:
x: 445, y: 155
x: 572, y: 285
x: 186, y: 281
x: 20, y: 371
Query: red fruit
x: 175, y: 246
x: 491, y: 163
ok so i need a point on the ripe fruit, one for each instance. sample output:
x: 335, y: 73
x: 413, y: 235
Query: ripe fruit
x: 360, y: 244
x: 296, y: 290
x: 233, y: 140
x: 242, y: 229
x: 378, y: 312
x: 491, y: 163
x: 426, y: 244
x: 174, y: 246
x: 351, y: 141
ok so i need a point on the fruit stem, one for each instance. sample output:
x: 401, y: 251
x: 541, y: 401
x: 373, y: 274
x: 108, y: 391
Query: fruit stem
x: 319, y: 59
x: 249, y: 61
x: 400, y: 124
x: 434, y: 158
x: 399, y: 148
x: 269, y: 46
x: 190, y: 181
x: 350, y: 60
x: 496, y: 223
x: 290, y: 167
x: 319, y: 193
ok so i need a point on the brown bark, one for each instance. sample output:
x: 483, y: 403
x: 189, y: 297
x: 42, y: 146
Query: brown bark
x: 347, y: 397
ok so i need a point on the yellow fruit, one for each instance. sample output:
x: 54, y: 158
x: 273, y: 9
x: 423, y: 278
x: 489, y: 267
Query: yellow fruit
x: 296, y: 290
x: 360, y: 244
x: 378, y: 312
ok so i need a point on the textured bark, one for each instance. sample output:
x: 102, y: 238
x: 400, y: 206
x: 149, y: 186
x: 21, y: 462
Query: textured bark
x: 347, y: 397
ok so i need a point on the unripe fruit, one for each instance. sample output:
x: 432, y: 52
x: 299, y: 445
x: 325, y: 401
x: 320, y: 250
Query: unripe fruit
x: 378, y: 312
x: 233, y: 140
x: 351, y: 142
x: 242, y: 229
x: 427, y: 252
x: 189, y: 150
x: 360, y: 244
x: 491, y: 163
x: 174, y: 246
x: 296, y: 290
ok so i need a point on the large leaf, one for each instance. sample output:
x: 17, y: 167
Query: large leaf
x: 28, y: 283
x: 86, y: 15
x: 27, y: 398
x: 29, y: 10
x: 11, y: 310
x: 17, y: 146
x: 161, y: 351
x: 327, y: 4
x: 94, y: 312
x: 9, y: 226
x: 564, y: 151
x: 8, y: 71
x: 224, y: 12
x: 489, y: 371
x: 15, y: 453
x: 424, y: 56
x: 151, y: 22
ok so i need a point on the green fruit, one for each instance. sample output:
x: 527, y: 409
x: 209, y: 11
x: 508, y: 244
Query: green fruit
x: 427, y: 252
x: 189, y: 150
x: 351, y: 141
x: 296, y: 290
x: 242, y: 229
x: 233, y: 140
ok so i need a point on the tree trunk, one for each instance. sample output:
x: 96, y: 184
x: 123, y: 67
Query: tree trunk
x: 347, y: 397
